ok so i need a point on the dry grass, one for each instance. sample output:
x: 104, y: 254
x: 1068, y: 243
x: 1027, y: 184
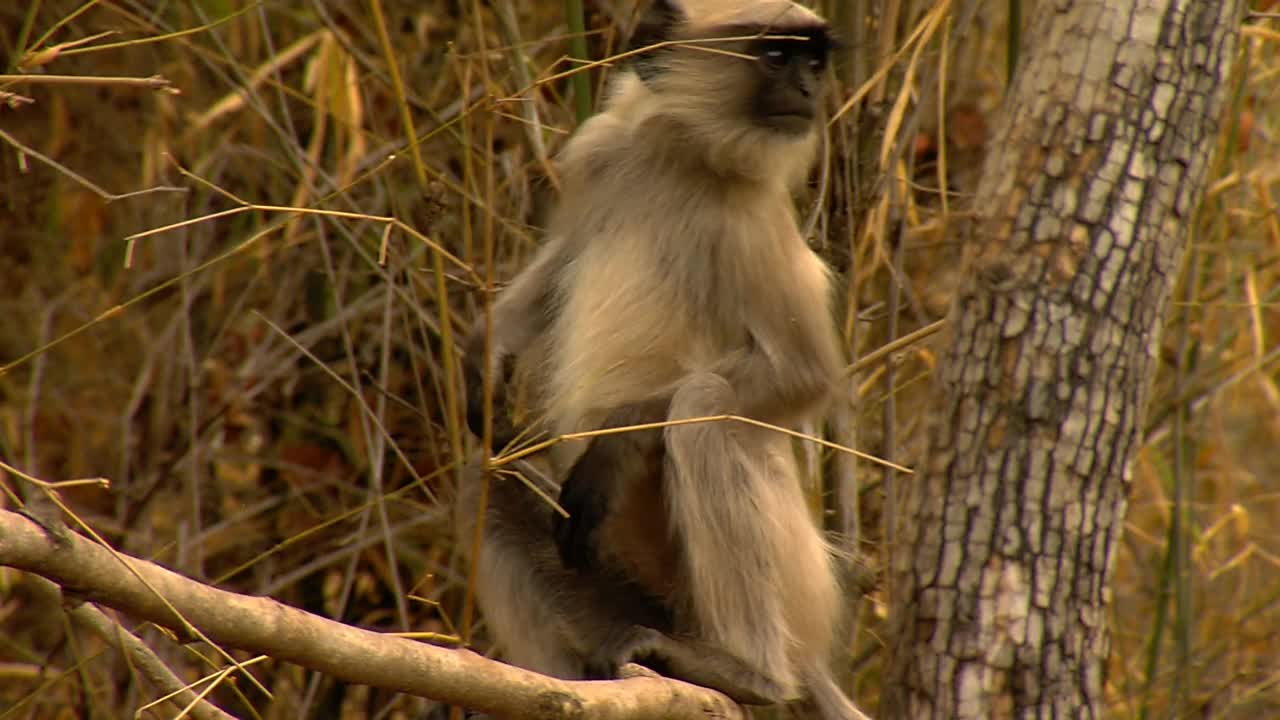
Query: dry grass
x: 267, y: 371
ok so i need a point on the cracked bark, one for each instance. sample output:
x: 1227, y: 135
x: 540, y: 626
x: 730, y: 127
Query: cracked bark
x: 1000, y: 574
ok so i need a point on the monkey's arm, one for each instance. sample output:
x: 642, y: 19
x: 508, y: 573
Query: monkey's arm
x: 521, y: 313
x: 791, y: 360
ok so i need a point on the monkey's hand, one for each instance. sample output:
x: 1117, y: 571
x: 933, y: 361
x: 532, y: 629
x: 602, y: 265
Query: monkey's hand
x: 640, y: 645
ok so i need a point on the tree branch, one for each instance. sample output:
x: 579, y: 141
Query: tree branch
x: 262, y: 625
x: 141, y: 657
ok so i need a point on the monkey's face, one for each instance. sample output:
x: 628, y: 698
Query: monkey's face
x: 767, y: 86
x: 736, y: 82
x: 787, y: 81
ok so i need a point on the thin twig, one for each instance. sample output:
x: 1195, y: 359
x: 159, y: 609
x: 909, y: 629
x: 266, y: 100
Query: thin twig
x: 154, y: 82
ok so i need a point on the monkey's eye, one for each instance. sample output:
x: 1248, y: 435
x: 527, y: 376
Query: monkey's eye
x: 775, y: 57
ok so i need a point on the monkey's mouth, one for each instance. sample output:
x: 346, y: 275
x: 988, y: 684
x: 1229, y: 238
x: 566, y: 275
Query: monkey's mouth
x: 788, y: 121
x: 786, y: 112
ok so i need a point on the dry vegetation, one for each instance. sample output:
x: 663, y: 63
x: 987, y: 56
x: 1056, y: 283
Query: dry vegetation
x: 226, y: 292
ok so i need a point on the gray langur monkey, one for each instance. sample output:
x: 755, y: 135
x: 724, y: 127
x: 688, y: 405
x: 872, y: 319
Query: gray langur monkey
x: 674, y: 284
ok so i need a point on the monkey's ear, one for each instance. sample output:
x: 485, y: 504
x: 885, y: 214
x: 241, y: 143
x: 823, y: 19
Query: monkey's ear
x: 656, y: 25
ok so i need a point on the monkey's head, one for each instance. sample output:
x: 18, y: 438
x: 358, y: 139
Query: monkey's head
x: 741, y: 78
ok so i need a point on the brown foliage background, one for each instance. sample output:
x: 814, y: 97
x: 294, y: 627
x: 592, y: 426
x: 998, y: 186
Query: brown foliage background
x: 269, y: 380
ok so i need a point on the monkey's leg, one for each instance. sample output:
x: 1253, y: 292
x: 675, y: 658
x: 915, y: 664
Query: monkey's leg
x: 545, y: 617
x: 602, y: 476
x: 617, y: 525
x: 517, y: 568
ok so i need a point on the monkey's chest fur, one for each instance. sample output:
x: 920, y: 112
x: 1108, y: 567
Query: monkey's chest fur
x: 655, y: 296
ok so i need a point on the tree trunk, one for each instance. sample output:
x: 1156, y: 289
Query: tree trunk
x: 1000, y: 574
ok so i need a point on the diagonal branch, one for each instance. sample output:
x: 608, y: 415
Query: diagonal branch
x: 262, y: 625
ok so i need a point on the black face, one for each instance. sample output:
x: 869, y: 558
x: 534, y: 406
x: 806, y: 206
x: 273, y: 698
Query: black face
x: 789, y: 69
